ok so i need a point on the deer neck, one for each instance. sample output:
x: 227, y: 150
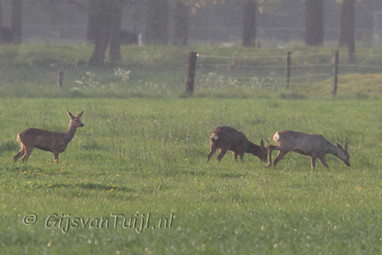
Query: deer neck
x: 334, y: 150
x: 253, y: 148
x: 69, y: 134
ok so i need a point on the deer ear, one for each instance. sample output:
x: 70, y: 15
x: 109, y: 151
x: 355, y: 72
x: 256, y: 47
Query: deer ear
x: 262, y: 143
x: 339, y: 146
x: 346, y: 147
x: 80, y: 114
x: 70, y: 115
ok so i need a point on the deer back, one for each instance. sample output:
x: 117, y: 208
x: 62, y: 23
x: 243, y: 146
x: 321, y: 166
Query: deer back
x: 303, y: 143
x: 229, y: 138
x: 41, y: 139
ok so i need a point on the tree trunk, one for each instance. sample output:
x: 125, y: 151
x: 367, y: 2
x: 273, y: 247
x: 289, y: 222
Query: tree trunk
x: 16, y: 21
x: 314, y: 22
x: 115, y: 36
x: 1, y: 21
x: 157, y: 22
x: 92, y: 21
x: 347, y: 37
x: 249, y: 23
x: 103, y: 19
x: 180, y: 23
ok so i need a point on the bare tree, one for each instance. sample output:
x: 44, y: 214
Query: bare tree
x: 16, y: 20
x: 347, y: 27
x: 157, y: 22
x: 314, y: 22
x: 106, y: 27
x: 115, y: 31
x: 180, y: 23
x: 1, y: 21
x: 181, y: 10
x: 102, y: 13
x: 249, y: 22
x: 92, y: 21
x: 1, y: 13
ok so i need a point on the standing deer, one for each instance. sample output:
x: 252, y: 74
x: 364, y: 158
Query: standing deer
x: 228, y: 138
x: 315, y: 146
x: 54, y: 142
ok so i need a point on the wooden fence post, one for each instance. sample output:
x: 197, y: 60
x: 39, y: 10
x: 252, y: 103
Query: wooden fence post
x: 335, y: 72
x: 288, y: 63
x: 189, y: 89
x: 60, y: 79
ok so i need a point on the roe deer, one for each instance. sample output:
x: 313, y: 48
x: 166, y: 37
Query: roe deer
x: 315, y: 146
x: 54, y: 142
x: 228, y: 138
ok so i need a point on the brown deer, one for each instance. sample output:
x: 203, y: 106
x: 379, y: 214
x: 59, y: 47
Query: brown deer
x: 228, y: 138
x: 314, y: 146
x: 54, y: 142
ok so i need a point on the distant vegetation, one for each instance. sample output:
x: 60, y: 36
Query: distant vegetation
x: 160, y: 71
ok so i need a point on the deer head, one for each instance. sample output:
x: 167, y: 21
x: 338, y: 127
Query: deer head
x: 263, y: 151
x: 343, y: 154
x: 75, y: 120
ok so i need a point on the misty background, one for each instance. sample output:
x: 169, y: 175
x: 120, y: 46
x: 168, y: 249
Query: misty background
x: 209, y: 22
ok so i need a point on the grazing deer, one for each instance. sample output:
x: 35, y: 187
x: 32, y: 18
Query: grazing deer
x: 315, y: 146
x: 54, y: 142
x: 228, y: 138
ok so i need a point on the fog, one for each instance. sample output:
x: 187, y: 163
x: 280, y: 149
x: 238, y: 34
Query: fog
x: 282, y: 21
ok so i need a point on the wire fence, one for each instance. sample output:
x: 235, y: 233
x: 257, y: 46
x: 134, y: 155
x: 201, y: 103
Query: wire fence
x: 280, y: 71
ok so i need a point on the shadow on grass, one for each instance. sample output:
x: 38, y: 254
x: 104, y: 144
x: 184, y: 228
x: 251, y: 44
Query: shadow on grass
x: 231, y: 175
x: 214, y: 173
x: 15, y: 168
x: 92, y: 186
x: 195, y: 173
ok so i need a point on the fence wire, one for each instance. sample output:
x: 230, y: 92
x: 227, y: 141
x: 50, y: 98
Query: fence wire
x: 269, y: 71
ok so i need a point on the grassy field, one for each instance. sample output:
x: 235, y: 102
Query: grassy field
x: 134, y: 180
x: 142, y: 161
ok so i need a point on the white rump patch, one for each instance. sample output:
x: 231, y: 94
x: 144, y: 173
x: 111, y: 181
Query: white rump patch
x: 214, y: 136
x: 276, y: 137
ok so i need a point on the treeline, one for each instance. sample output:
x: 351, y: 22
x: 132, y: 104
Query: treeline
x: 104, y: 21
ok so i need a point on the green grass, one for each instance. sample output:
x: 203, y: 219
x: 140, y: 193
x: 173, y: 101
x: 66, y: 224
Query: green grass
x: 140, y: 156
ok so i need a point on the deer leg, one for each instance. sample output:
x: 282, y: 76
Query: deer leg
x: 278, y: 158
x: 55, y: 155
x: 242, y: 156
x: 240, y: 151
x: 323, y: 162
x: 19, y: 154
x: 222, y: 153
x: 313, y: 162
x: 28, y: 151
x: 212, y: 151
x: 270, y: 149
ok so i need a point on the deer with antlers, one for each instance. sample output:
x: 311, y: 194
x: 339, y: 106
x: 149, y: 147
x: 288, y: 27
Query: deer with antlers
x: 54, y: 142
x: 312, y: 145
x: 228, y: 138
